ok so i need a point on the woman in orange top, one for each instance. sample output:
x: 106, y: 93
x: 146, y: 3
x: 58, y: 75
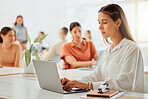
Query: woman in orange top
x: 79, y: 52
x: 9, y: 52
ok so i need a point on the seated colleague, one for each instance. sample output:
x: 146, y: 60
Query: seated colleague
x: 39, y: 44
x: 121, y: 65
x: 9, y: 51
x: 56, y: 48
x: 87, y: 35
x: 79, y: 52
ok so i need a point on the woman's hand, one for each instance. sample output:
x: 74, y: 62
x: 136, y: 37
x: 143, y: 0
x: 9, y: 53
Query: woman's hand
x: 92, y: 63
x: 69, y: 84
x: 64, y: 81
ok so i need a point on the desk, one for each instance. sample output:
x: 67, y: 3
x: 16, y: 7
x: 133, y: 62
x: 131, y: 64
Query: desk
x: 19, y: 87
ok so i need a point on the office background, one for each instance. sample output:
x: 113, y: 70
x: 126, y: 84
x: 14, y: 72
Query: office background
x: 50, y: 15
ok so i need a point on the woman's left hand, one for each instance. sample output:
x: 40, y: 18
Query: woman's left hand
x: 74, y: 83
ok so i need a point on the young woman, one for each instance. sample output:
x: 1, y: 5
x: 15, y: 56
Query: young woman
x: 87, y: 35
x: 21, y: 32
x: 9, y: 52
x: 121, y: 65
x: 79, y: 52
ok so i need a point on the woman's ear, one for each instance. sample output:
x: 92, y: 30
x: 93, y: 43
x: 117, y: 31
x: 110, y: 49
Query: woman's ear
x: 118, y: 22
x: 2, y: 36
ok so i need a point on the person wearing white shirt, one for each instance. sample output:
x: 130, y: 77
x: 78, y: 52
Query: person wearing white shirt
x: 56, y: 48
x: 121, y: 65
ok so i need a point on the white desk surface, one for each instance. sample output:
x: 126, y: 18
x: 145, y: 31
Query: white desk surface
x: 18, y: 87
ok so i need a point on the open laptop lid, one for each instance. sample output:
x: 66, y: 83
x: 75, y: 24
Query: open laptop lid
x: 48, y: 76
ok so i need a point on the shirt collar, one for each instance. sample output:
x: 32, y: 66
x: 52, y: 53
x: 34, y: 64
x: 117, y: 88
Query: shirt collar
x: 83, y: 42
x: 123, y: 42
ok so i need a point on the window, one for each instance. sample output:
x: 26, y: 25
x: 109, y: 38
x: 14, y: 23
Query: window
x: 142, y: 26
x: 86, y: 12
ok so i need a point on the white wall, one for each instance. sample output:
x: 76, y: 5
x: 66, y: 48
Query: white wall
x: 39, y: 15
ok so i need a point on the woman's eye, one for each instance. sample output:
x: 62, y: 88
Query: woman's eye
x: 104, y: 22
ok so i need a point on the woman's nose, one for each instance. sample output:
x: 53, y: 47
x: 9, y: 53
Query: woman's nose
x: 100, y: 27
x: 78, y: 33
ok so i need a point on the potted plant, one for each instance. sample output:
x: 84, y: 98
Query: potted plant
x: 26, y: 57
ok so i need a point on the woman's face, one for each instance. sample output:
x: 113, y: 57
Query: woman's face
x: 87, y: 35
x: 62, y: 34
x: 107, y: 26
x: 19, y: 21
x: 76, y: 33
x: 9, y: 37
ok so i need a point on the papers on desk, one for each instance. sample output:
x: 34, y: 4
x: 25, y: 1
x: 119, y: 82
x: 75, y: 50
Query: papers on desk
x: 10, y: 71
x: 113, y: 97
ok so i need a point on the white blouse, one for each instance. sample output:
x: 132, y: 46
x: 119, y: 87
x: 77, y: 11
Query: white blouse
x: 122, y: 68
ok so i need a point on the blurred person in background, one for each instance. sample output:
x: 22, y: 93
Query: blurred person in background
x: 87, y: 35
x: 79, y: 53
x: 21, y: 32
x: 56, y: 48
x: 40, y: 45
x: 10, y: 52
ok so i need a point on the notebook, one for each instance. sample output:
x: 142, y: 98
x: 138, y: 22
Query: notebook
x: 109, y: 94
x: 119, y: 95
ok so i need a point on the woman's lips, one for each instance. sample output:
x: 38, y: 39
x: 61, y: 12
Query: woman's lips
x: 78, y: 37
x: 103, y: 33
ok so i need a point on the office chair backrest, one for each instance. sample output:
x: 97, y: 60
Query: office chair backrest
x: 56, y: 58
x: 99, y: 55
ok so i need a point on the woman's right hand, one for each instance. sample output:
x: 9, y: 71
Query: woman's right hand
x: 64, y: 81
x: 69, y: 84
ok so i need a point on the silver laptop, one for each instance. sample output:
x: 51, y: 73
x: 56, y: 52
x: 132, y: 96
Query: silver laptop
x: 48, y: 77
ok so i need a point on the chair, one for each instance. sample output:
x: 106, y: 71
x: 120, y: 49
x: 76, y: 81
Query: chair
x: 99, y: 57
x: 94, y: 66
x: 56, y: 58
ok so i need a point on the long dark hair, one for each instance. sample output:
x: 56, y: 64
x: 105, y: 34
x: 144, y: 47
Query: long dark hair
x: 4, y: 31
x: 74, y: 24
x: 116, y: 12
x: 19, y: 16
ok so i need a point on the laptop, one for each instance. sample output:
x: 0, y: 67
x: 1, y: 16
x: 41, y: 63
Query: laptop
x: 49, y: 79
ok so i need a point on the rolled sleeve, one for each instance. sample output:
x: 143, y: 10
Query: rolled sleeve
x: 65, y: 52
